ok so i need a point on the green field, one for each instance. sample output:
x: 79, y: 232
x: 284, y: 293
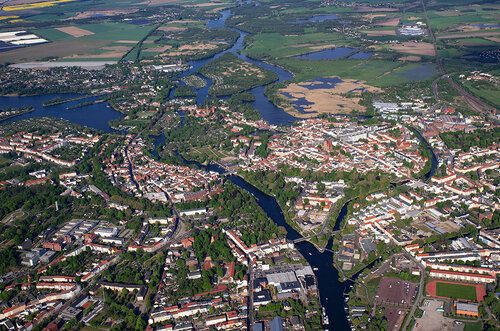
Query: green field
x: 473, y: 326
x: 456, y: 291
x: 488, y: 92
x: 379, y: 73
x: 231, y: 75
x: 109, y: 31
x: 275, y: 45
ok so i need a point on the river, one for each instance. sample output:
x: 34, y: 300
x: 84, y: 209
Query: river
x: 97, y: 116
x: 268, y: 111
x: 332, y: 291
x: 330, y: 288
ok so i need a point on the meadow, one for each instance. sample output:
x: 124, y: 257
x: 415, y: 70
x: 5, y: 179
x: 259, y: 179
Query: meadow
x: 380, y: 73
x: 231, y: 75
x: 275, y: 45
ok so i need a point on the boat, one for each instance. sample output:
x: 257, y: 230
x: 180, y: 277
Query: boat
x: 325, y: 316
x: 315, y: 269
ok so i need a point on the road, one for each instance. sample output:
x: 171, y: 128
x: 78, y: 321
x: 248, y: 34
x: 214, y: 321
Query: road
x: 420, y: 293
x: 474, y: 102
x: 250, y: 295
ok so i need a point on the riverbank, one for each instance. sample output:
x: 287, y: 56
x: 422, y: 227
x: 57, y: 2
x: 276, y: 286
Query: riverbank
x: 16, y: 112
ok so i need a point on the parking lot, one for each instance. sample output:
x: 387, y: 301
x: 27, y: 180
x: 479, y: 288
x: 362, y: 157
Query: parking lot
x: 396, y: 292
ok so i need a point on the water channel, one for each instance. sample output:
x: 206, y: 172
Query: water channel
x: 332, y: 291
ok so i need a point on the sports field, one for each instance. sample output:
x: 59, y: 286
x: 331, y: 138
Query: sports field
x: 455, y: 290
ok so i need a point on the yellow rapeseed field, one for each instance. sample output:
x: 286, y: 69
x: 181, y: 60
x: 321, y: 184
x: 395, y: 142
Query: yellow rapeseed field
x: 35, y: 5
x: 8, y: 17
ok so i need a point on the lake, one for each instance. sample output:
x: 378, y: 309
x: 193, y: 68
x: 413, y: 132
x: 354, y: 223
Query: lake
x: 96, y: 116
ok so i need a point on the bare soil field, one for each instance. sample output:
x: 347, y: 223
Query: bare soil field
x: 171, y: 28
x: 198, y: 46
x: 109, y: 13
x: 410, y: 58
x: 127, y: 41
x: 419, y: 48
x: 116, y: 48
x: 448, y: 13
x: 158, y: 2
x: 75, y: 31
x: 379, y: 33
x: 206, y: 4
x: 56, y: 49
x: 107, y: 55
x: 370, y: 17
x: 159, y: 49
x: 18, y: 2
x: 314, y: 47
x: 113, y: 52
x: 391, y: 22
x: 494, y: 39
x: 327, y: 100
x: 184, y: 21
x: 469, y: 34
x: 368, y: 9
x: 91, y: 65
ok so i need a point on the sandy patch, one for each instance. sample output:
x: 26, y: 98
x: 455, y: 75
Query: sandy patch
x: 158, y: 2
x: 469, y: 34
x: 184, y: 21
x: 107, y: 13
x: 378, y: 33
x: 332, y: 100
x: 206, y: 4
x: 107, y: 55
x: 75, y: 32
x: 159, y: 49
x: 19, y: 2
x: 468, y: 28
x: 448, y: 13
x: 322, y: 47
x: 314, y: 47
x: 414, y: 18
x: 198, y: 46
x: 116, y: 48
x: 171, y: 28
x: 368, y: 9
x: 370, y: 17
x: 420, y: 48
x: 391, y: 22
x: 127, y: 41
x: 410, y: 58
x: 494, y: 39
x: 217, y: 9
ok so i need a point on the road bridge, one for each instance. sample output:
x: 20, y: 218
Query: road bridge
x: 301, y: 239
